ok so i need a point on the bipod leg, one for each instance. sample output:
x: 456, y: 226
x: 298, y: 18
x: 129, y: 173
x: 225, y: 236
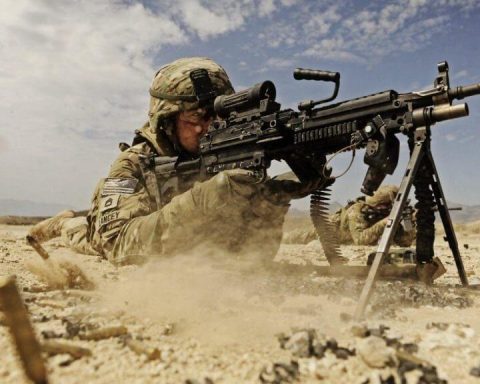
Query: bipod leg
x: 391, y: 227
x: 446, y: 219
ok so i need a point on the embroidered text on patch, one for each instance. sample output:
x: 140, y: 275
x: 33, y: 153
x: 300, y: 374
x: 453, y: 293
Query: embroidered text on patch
x: 105, y: 219
x: 114, y: 185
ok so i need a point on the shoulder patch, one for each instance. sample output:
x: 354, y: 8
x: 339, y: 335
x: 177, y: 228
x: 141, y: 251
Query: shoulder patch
x: 108, y: 202
x: 108, y: 218
x: 122, y: 186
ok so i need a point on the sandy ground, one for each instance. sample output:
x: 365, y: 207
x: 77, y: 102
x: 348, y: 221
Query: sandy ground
x: 213, y: 322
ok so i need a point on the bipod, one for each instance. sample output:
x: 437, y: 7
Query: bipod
x: 422, y: 173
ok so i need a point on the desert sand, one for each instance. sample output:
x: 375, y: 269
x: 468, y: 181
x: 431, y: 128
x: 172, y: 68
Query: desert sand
x: 210, y: 319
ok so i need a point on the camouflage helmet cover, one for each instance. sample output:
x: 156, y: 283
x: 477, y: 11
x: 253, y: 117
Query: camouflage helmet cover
x: 384, y: 195
x: 174, y: 79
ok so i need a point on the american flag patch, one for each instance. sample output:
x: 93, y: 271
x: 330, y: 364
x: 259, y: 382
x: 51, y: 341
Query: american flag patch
x: 115, y: 185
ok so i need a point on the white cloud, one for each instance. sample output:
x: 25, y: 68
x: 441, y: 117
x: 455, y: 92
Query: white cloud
x: 266, y: 7
x: 74, y: 75
x: 274, y: 63
x: 320, y: 22
x: 289, y: 3
x: 71, y: 71
x: 211, y: 18
x: 340, y: 31
x: 332, y: 49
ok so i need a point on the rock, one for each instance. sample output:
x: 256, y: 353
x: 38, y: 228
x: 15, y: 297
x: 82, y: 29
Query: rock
x: 442, y: 326
x: 206, y: 380
x: 299, y: 344
x: 307, y: 343
x: 48, y: 334
x: 375, y: 353
x: 279, y: 373
x: 359, y: 330
x: 475, y: 371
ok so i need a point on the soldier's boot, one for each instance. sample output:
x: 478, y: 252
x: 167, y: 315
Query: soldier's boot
x: 428, y: 272
x: 50, y: 228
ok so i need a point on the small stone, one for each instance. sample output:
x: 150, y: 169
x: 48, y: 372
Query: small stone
x: 359, y: 330
x: 206, y: 380
x: 342, y: 353
x: 51, y: 334
x: 409, y: 347
x: 299, y: 344
x: 374, y: 352
x: 279, y: 373
x: 475, y: 371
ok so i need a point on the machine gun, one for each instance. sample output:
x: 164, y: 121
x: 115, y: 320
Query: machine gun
x: 253, y: 130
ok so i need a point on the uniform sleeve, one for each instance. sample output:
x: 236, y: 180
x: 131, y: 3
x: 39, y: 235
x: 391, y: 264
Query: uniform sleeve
x: 118, y: 199
x: 363, y: 233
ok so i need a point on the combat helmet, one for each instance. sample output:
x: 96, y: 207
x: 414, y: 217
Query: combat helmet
x: 384, y: 195
x: 174, y: 91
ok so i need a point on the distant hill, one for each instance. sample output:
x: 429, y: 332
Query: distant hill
x: 12, y: 207
x: 468, y: 213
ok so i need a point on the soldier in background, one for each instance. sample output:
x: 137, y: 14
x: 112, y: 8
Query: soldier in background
x: 362, y: 221
x: 134, y: 215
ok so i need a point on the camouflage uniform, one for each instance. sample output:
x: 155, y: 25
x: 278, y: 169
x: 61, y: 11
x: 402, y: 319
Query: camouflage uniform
x: 131, y: 220
x: 356, y: 224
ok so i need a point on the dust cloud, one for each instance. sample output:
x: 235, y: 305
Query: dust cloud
x: 59, y: 273
x: 218, y: 298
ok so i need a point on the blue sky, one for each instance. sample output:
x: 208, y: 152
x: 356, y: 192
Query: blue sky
x: 74, y: 76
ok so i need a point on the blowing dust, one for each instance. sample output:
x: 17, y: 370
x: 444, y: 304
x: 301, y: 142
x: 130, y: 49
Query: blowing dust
x: 219, y: 299
x: 59, y: 273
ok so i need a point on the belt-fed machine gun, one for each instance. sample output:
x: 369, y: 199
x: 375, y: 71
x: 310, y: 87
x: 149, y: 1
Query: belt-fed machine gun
x: 254, y: 130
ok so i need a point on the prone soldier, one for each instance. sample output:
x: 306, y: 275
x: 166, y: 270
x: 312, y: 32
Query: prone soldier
x: 362, y: 221
x: 134, y: 215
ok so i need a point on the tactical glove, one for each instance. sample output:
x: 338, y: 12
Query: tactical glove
x: 285, y: 187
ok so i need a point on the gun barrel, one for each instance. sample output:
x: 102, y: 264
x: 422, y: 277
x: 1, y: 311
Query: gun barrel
x: 450, y: 209
x: 464, y: 91
x: 451, y: 112
x: 431, y: 115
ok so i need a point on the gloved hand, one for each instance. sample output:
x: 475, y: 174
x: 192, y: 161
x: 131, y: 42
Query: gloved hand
x: 287, y: 186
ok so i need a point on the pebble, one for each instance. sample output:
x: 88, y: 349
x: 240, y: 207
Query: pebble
x: 375, y: 352
x: 279, y: 373
x: 299, y: 344
x: 475, y: 371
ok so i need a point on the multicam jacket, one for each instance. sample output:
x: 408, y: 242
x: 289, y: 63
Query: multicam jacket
x: 356, y: 226
x: 127, y: 192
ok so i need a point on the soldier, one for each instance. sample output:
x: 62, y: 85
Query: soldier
x: 361, y: 222
x: 135, y: 215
